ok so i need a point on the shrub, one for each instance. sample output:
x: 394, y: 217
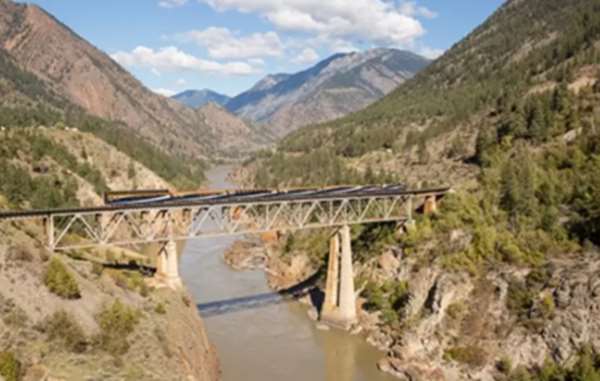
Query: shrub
x: 10, y: 367
x: 504, y: 365
x: 116, y: 322
x: 519, y: 299
x: 470, y: 355
x: 160, y: 309
x: 61, y: 328
x: 60, y: 282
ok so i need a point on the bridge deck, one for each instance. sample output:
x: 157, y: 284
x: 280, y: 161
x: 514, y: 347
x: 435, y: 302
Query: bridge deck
x: 232, y: 198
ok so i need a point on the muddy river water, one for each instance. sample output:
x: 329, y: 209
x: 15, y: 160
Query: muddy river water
x: 274, y: 342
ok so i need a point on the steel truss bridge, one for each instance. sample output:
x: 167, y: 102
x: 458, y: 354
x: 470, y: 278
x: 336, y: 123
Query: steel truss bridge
x: 160, y: 218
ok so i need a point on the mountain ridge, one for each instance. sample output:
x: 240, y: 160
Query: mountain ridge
x: 88, y: 77
x: 197, y: 98
x: 335, y: 86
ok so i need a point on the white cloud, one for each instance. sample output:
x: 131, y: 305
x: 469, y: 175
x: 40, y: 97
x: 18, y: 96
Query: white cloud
x: 171, y: 3
x: 410, y: 8
x: 181, y: 82
x: 223, y: 43
x: 156, y: 72
x: 306, y: 57
x: 379, y: 22
x: 430, y: 53
x: 256, y: 61
x: 164, y: 92
x: 172, y: 59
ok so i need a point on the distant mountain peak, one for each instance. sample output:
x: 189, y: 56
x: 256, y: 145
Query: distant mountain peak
x: 338, y: 85
x: 199, y: 98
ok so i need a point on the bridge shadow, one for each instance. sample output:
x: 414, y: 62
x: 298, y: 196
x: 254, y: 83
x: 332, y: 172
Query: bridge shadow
x: 306, y: 287
x: 146, y: 271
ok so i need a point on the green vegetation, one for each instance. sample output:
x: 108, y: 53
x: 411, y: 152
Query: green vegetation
x: 390, y: 298
x: 317, y: 168
x: 31, y: 103
x: 117, y: 321
x: 61, y: 328
x: 180, y: 171
x: 60, y: 281
x: 160, y: 308
x: 41, y: 192
x: 470, y: 355
x: 130, y: 280
x: 587, y: 368
x: 477, y: 74
x: 10, y: 367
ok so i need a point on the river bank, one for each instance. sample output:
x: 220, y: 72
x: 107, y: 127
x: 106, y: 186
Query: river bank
x: 455, y: 326
x: 267, y: 342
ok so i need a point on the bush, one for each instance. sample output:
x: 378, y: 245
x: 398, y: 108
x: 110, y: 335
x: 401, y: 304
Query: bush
x: 10, y: 367
x: 470, y: 355
x: 60, y: 282
x: 160, y: 309
x: 61, y: 328
x: 504, y: 365
x: 116, y: 322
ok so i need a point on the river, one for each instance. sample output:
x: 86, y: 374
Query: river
x: 273, y: 342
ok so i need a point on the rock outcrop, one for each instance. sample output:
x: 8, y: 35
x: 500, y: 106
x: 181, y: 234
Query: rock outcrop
x: 456, y: 326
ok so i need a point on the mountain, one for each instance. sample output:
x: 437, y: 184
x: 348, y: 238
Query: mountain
x: 466, y: 89
x: 334, y: 87
x: 497, y: 282
x: 84, y: 75
x: 197, y: 98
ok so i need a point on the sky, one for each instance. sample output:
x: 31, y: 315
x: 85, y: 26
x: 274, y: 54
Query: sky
x: 228, y: 45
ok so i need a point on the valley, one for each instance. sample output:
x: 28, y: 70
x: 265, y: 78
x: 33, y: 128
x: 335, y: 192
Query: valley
x: 446, y: 210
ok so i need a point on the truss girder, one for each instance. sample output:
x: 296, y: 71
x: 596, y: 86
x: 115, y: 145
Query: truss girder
x: 140, y: 226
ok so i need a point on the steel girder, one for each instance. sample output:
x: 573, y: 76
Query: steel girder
x: 141, y: 226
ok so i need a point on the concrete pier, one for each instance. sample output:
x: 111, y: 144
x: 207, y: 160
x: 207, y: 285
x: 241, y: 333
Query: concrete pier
x: 339, y: 308
x: 167, y: 265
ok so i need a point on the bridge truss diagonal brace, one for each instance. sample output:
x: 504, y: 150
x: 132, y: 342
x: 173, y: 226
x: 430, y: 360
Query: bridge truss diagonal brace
x: 140, y: 225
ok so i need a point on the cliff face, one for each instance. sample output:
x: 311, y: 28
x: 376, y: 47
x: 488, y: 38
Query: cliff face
x: 459, y: 327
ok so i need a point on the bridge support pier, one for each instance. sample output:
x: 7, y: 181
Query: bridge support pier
x: 339, y: 307
x: 167, y: 265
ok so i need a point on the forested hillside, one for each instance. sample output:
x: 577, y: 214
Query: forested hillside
x: 510, y: 118
x: 27, y: 101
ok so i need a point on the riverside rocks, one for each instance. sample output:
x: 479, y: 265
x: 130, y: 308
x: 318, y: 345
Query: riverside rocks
x: 451, y: 312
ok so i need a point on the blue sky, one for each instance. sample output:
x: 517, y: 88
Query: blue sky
x: 228, y: 45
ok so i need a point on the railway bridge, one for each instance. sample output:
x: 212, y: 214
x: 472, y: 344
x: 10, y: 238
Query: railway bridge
x: 134, y: 218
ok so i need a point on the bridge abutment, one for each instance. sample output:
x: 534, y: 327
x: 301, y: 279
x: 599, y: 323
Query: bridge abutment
x: 339, y: 307
x: 167, y: 265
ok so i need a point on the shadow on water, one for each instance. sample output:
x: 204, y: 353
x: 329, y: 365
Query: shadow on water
x: 306, y: 287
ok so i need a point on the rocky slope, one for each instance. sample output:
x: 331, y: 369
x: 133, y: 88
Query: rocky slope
x: 87, y: 77
x: 69, y: 337
x: 49, y: 337
x: 197, y: 98
x: 460, y: 328
x: 455, y: 326
x: 332, y: 88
